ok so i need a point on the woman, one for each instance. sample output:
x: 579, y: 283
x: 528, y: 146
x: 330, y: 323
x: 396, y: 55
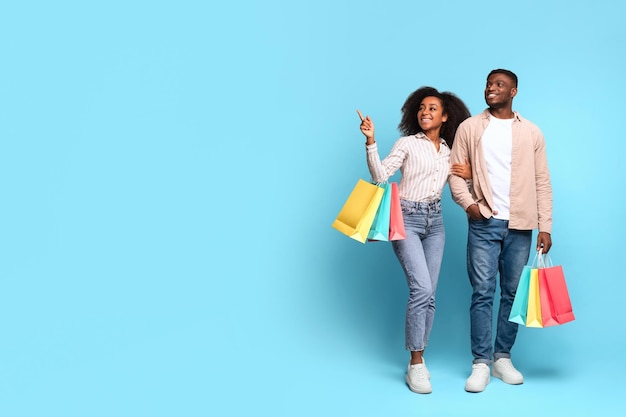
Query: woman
x: 429, y: 122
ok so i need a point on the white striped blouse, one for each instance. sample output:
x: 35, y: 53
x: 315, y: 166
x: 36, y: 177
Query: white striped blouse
x: 424, y: 170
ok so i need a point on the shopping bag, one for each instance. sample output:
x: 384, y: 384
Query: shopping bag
x: 533, y: 314
x: 520, y: 302
x: 396, y: 221
x: 357, y: 214
x: 556, y: 306
x: 519, y: 309
x: 380, y: 227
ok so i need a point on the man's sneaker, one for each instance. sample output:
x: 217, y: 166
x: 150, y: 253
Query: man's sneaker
x: 478, y: 380
x: 417, y: 379
x: 503, y: 368
x: 423, y: 363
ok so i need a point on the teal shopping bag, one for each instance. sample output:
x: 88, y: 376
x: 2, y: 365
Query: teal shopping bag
x: 520, y: 303
x: 380, y: 227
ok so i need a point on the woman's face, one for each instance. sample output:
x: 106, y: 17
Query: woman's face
x: 430, y: 114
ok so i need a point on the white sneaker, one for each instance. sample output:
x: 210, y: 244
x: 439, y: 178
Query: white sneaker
x: 503, y: 368
x: 478, y: 380
x: 423, y: 363
x: 417, y: 378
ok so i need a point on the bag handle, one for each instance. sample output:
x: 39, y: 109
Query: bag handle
x: 547, y: 261
x: 544, y: 260
x: 537, y: 259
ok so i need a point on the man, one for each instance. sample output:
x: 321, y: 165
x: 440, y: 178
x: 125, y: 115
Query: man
x: 509, y: 195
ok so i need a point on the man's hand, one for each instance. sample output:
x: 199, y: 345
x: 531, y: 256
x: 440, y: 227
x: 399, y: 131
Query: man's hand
x: 544, y: 242
x: 474, y: 212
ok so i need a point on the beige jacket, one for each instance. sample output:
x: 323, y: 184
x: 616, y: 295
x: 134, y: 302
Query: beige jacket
x: 531, y: 191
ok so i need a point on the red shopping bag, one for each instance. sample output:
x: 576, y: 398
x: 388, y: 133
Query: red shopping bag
x: 556, y: 306
x: 396, y: 221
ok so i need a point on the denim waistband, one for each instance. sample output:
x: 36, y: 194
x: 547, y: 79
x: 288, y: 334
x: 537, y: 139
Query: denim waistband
x: 429, y: 204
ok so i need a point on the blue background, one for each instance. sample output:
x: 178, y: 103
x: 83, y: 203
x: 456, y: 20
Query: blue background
x: 169, y: 172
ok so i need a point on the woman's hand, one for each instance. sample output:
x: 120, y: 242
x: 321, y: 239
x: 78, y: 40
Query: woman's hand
x: 462, y: 170
x: 367, y: 127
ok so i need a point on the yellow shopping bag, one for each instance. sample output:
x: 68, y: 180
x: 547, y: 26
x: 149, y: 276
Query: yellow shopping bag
x: 533, y: 315
x: 357, y: 215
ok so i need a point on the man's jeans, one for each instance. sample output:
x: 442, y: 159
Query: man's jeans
x: 491, y: 248
x: 420, y: 255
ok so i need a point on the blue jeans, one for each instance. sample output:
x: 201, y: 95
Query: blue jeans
x: 493, y: 248
x: 420, y: 255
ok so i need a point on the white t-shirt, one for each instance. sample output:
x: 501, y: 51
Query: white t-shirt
x: 497, y: 144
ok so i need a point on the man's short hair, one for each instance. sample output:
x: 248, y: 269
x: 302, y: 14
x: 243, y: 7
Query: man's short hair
x: 506, y: 72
